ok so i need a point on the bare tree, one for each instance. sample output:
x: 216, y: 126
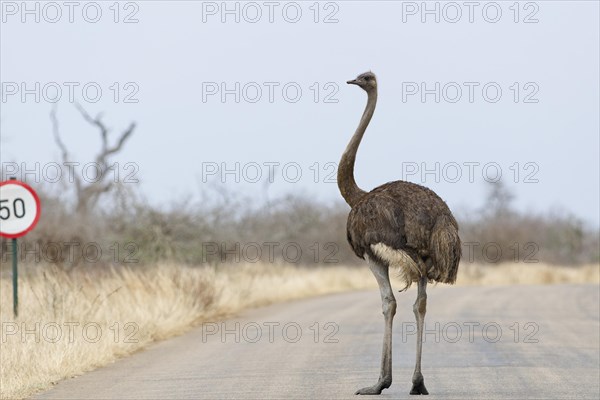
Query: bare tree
x: 499, y: 200
x: 88, y: 193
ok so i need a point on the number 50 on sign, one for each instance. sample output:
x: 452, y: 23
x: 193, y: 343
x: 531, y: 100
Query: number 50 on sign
x: 19, y: 209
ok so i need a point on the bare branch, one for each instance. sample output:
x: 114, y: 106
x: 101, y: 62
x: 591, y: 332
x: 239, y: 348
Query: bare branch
x: 57, y: 138
x: 106, y: 150
x: 98, y: 123
x: 121, y: 141
x: 62, y: 147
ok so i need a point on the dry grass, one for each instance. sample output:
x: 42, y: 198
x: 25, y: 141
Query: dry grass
x: 156, y: 302
x: 162, y: 301
x: 526, y: 273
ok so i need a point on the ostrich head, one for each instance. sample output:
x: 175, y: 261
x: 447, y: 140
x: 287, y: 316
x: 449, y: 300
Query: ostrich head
x: 367, y: 81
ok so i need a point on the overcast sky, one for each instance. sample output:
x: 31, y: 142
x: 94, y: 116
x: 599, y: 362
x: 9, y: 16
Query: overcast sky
x: 517, y: 90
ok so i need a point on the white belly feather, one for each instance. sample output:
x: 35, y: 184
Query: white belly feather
x: 408, y: 269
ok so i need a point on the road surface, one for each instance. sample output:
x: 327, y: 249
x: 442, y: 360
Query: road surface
x: 510, y: 342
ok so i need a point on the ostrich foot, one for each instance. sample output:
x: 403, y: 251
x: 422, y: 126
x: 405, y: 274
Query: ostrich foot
x: 375, y: 389
x: 419, y: 387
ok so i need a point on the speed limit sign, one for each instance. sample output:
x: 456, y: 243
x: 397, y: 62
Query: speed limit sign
x: 19, y: 213
x: 19, y: 209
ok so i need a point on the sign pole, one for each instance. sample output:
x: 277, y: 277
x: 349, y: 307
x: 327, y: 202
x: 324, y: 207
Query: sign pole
x: 15, y: 279
x: 15, y: 273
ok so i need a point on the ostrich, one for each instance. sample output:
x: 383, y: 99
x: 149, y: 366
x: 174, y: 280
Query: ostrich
x: 399, y: 224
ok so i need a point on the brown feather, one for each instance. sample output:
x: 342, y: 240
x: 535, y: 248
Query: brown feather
x: 411, y: 218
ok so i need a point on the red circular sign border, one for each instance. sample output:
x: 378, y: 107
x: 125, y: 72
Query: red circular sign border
x: 38, y: 208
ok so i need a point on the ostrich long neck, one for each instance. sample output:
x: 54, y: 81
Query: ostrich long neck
x: 345, y: 177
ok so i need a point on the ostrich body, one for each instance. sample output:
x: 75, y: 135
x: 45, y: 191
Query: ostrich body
x: 399, y: 224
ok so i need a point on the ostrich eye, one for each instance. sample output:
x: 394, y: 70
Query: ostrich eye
x: 367, y: 78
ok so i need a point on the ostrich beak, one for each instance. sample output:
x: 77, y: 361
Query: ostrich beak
x: 352, y: 82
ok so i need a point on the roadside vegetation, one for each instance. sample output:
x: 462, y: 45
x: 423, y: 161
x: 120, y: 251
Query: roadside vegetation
x: 93, y: 292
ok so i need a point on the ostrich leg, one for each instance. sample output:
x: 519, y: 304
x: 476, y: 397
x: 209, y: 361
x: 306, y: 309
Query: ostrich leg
x: 419, y: 309
x: 388, y: 302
